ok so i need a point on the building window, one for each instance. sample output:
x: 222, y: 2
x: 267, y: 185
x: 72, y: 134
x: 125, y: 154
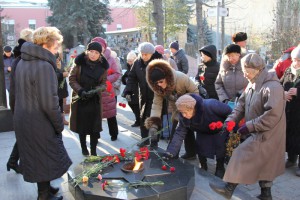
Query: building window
x: 32, y: 24
x: 104, y: 26
x: 119, y: 27
x: 8, y: 31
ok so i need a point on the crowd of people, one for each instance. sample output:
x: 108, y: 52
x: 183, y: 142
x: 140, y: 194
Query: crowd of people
x: 156, y: 84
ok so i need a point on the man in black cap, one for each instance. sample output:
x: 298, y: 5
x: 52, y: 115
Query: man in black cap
x: 179, y: 57
x: 240, y: 38
x: 8, y: 59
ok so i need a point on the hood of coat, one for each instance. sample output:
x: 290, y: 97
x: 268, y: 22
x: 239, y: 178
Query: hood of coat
x: 211, y: 50
x: 168, y: 71
x: 107, y: 53
x: 30, y: 51
x: 82, y: 60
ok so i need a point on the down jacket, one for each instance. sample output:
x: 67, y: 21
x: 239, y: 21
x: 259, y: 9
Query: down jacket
x: 37, y: 118
x: 230, y: 81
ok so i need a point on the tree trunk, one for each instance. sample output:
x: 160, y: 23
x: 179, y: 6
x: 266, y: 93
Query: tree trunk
x: 3, y: 102
x: 199, y: 18
x: 223, y: 28
x: 158, y: 16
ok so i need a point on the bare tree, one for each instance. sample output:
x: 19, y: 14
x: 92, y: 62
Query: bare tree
x: 158, y: 16
x: 200, y: 28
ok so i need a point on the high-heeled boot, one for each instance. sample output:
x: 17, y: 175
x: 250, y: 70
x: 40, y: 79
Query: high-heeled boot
x: 265, y: 194
x: 13, y: 159
x: 224, y: 189
x: 220, y: 169
x: 84, y: 150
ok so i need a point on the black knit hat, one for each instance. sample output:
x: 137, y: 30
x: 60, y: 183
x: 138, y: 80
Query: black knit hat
x: 7, y: 49
x: 232, y: 48
x: 238, y: 37
x: 174, y: 45
x: 94, y: 46
x: 157, y: 74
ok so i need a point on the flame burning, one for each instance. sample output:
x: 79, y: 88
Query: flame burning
x: 137, y: 165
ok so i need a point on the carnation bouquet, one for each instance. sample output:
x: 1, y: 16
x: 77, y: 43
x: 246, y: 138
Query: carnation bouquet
x: 233, y: 141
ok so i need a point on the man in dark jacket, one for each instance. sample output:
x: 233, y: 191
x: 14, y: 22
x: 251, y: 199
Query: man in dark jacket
x: 179, y: 57
x: 208, y: 70
x: 136, y: 75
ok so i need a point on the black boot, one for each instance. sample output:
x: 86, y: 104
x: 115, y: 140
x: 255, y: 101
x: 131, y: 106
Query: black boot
x: 220, y: 169
x: 224, y: 189
x: 13, y: 159
x: 44, y: 192
x: 203, y: 162
x: 291, y: 161
x: 53, y: 190
x: 265, y: 194
x: 94, y: 141
x: 84, y: 150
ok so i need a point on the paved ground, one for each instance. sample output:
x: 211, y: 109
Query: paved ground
x: 12, y: 187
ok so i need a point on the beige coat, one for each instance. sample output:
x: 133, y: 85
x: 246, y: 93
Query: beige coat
x: 262, y: 155
x: 178, y: 84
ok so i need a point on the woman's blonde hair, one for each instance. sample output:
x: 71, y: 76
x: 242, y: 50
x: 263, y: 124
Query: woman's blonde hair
x: 47, y: 36
x: 26, y: 34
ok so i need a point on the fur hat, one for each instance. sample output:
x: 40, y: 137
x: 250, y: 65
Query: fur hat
x: 7, y: 49
x: 160, y: 49
x: 232, y: 48
x: 94, y: 46
x: 253, y: 60
x: 185, y: 102
x: 157, y: 74
x: 174, y: 45
x: 101, y: 41
x: 239, y: 36
x: 296, y: 53
x: 146, y: 47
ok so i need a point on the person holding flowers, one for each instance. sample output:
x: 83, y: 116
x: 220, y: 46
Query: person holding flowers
x: 261, y: 156
x: 291, y: 84
x: 205, y: 117
x: 88, y: 80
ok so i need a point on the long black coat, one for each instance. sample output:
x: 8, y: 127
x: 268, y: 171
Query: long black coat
x: 37, y: 118
x: 135, y: 90
x: 292, y: 113
x: 136, y: 75
x: 210, y: 71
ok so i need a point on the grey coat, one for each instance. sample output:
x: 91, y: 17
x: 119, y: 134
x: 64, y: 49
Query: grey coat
x: 262, y: 155
x: 37, y: 118
x: 230, y: 81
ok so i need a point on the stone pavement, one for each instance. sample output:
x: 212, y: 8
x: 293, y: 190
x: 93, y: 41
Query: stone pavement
x: 13, y: 187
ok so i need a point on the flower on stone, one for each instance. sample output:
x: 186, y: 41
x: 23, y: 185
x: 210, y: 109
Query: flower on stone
x: 138, y: 156
x: 164, y: 167
x: 104, y: 184
x: 99, y: 177
x: 85, y: 179
x: 123, y: 152
x: 117, y: 159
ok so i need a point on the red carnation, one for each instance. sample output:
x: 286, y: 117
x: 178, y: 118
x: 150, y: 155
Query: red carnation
x: 202, y: 78
x: 164, y: 167
x: 230, y: 126
x: 110, y: 72
x: 219, y: 124
x: 172, y: 169
x: 212, y: 126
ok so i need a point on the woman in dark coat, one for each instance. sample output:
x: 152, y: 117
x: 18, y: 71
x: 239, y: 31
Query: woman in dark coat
x: 137, y: 75
x: 291, y: 85
x: 37, y: 120
x: 134, y: 101
x: 197, y: 114
x: 88, y: 80
x: 209, y: 70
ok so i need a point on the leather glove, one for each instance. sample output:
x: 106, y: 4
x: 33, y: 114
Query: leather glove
x: 128, y: 97
x: 243, y: 130
x: 84, y: 95
x: 154, y: 136
x: 167, y: 156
